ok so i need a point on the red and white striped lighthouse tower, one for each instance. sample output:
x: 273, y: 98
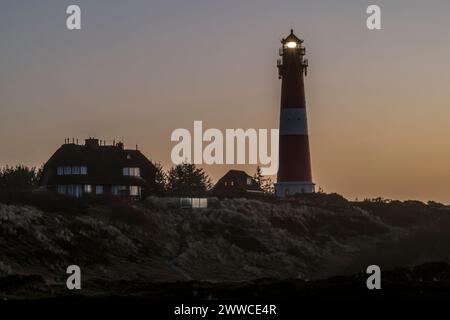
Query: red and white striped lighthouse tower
x: 294, y: 171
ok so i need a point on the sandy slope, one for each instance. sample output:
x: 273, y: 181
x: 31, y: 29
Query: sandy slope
x: 232, y: 240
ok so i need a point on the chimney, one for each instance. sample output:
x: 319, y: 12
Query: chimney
x: 91, y: 143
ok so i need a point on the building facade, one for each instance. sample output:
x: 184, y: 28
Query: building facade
x: 98, y: 170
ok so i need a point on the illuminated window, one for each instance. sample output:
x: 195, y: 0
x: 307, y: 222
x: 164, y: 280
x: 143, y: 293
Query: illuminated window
x: 135, y: 191
x: 135, y: 172
x: 203, y: 202
x: 195, y: 202
x: 132, y: 172
x: 87, y: 188
x: 199, y: 203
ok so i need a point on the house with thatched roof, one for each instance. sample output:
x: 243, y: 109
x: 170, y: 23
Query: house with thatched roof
x: 98, y: 169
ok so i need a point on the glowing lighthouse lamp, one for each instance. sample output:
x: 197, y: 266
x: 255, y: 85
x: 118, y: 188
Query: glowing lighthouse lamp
x: 292, y: 45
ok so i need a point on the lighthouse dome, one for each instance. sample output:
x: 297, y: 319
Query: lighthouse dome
x: 292, y: 38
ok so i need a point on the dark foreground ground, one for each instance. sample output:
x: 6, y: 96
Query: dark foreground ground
x: 430, y: 280
x: 154, y: 254
x: 406, y: 292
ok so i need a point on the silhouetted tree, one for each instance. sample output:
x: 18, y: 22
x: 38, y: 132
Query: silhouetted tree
x: 268, y: 187
x: 39, y: 173
x: 19, y: 177
x: 160, y: 178
x: 266, y: 184
x: 258, y: 177
x: 187, y: 180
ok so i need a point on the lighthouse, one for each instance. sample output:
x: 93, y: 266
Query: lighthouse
x: 294, y: 171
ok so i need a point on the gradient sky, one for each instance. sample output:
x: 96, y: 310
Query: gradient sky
x: 378, y: 101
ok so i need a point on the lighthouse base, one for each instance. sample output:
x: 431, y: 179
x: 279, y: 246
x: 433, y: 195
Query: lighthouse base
x: 285, y: 189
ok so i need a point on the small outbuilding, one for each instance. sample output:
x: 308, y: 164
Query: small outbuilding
x: 236, y: 183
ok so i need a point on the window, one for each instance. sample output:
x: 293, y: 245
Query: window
x: 61, y: 189
x: 98, y: 189
x: 232, y: 183
x: 203, y: 203
x: 132, y: 172
x: 75, y: 190
x: 135, y: 191
x: 199, y: 203
x: 87, y: 188
x: 226, y: 183
x: 194, y: 203
x: 76, y: 170
x: 119, y: 190
x: 249, y: 181
x: 186, y: 203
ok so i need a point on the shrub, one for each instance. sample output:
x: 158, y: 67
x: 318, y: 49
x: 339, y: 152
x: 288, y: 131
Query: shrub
x: 122, y: 213
x: 45, y: 201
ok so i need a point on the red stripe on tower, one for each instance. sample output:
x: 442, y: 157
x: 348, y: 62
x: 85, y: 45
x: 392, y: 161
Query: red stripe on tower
x: 294, y: 171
